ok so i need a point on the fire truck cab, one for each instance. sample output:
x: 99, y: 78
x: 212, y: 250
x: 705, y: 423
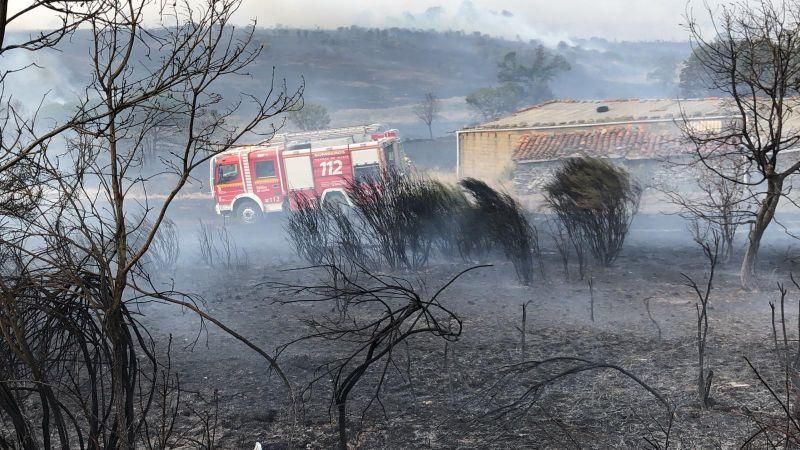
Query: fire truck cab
x: 252, y: 180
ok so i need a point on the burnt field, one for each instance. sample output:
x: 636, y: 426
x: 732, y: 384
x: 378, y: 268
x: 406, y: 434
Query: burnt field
x: 480, y: 390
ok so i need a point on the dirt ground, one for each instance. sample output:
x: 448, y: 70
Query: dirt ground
x: 450, y: 402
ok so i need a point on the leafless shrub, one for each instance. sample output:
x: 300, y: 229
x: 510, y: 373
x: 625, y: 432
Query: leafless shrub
x: 62, y: 356
x: 205, y: 241
x: 780, y: 431
x: 309, y: 228
x: 783, y: 430
x: 548, y: 371
x: 596, y: 202
x: 561, y: 241
x: 84, y: 370
x: 704, y: 378
x: 165, y: 247
x: 229, y: 254
x: 166, y: 403
x: 20, y: 190
x: 207, y: 421
x: 376, y: 314
x: 218, y: 247
x: 22, y: 140
x: 721, y: 202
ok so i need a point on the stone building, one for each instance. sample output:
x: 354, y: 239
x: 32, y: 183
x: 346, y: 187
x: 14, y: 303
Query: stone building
x: 523, y: 148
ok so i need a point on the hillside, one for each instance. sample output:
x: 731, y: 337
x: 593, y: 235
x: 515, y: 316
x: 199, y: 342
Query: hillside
x: 376, y: 75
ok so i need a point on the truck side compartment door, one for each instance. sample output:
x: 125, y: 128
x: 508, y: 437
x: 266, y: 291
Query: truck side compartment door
x: 266, y: 184
x: 299, y: 175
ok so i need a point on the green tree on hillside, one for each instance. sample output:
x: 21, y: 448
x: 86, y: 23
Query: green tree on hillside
x: 523, y: 80
x: 693, y: 81
x: 665, y: 75
x: 534, y: 79
x: 490, y: 103
x: 310, y: 117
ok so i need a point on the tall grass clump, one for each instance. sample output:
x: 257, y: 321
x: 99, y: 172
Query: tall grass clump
x: 309, y: 228
x: 407, y: 216
x: 403, y: 221
x: 496, y: 216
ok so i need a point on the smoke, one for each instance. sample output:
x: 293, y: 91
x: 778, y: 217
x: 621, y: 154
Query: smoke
x: 45, y: 80
x: 547, y: 21
x: 471, y: 17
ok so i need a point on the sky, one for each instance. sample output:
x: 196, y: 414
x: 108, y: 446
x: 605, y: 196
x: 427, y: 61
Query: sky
x: 547, y: 20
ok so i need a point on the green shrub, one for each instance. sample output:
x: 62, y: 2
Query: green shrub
x: 596, y: 202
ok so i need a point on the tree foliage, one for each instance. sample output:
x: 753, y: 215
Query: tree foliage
x: 490, y: 103
x: 310, y: 117
x: 534, y: 79
x: 520, y: 83
x: 665, y: 74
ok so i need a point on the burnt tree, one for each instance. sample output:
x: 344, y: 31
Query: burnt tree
x: 752, y: 57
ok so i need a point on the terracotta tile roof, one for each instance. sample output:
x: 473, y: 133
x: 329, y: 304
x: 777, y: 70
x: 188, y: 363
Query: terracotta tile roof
x: 626, y: 141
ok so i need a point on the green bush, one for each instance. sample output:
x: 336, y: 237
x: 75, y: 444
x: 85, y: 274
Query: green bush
x: 596, y: 202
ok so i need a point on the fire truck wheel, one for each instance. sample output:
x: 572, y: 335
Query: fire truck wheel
x: 247, y: 211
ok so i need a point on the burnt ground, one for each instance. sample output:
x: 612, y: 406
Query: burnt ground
x: 449, y: 402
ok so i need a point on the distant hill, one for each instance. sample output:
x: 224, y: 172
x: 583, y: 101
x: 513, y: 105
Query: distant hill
x: 376, y: 75
x: 364, y: 73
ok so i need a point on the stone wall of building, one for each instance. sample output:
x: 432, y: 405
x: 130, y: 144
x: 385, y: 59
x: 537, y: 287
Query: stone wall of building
x: 530, y: 178
x: 487, y: 154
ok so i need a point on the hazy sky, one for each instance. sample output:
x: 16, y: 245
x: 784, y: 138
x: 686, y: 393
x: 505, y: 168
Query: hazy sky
x: 550, y: 20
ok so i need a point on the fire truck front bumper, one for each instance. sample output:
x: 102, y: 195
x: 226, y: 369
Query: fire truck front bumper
x: 222, y: 210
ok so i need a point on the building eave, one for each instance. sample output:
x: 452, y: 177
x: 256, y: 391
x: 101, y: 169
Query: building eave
x: 535, y: 161
x: 590, y: 125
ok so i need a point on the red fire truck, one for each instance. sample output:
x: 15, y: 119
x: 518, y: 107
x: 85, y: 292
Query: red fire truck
x: 255, y: 179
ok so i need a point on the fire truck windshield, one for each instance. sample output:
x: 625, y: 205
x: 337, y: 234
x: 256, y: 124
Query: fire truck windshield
x: 227, y: 173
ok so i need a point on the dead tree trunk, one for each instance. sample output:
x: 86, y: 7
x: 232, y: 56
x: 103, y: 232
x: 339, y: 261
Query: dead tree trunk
x: 342, y: 425
x: 764, y: 216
